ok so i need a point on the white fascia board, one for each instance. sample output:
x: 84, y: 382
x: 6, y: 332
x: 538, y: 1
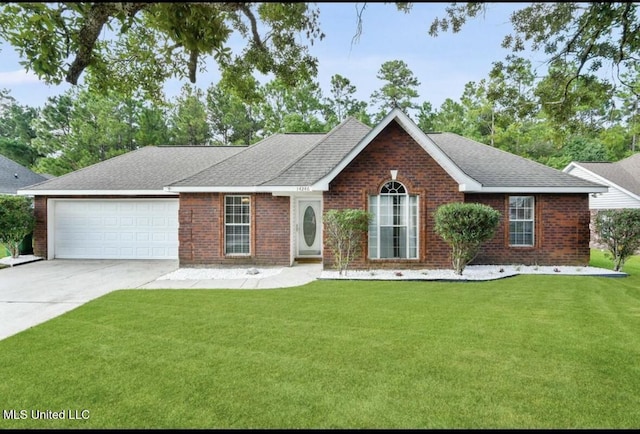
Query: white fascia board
x: 602, y: 179
x: 517, y: 190
x: 464, y: 181
x: 94, y: 193
x: 571, y: 166
x: 246, y: 189
x: 419, y: 136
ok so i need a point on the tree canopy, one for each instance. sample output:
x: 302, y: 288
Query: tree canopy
x: 126, y: 45
x: 591, y: 35
x: 571, y: 112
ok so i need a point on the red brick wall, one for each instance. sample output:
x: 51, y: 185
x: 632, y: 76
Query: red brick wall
x: 394, y: 149
x: 40, y: 229
x: 562, y: 221
x: 561, y: 234
x: 201, y: 231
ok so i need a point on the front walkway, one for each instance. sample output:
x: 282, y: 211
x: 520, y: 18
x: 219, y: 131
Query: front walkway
x: 237, y: 278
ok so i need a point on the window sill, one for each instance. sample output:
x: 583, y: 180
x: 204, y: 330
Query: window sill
x: 394, y: 260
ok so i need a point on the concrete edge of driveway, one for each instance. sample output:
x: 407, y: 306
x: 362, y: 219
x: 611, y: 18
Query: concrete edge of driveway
x: 35, y: 292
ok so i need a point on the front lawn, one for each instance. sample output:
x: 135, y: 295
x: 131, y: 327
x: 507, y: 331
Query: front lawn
x: 521, y: 352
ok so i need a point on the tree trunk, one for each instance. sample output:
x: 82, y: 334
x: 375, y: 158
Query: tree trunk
x: 15, y: 249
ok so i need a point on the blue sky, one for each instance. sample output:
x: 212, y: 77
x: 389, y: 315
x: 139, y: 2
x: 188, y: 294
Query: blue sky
x: 443, y: 65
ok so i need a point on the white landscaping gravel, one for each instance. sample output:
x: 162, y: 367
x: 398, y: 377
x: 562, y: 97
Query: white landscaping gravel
x: 220, y: 273
x: 472, y: 272
x: 22, y: 259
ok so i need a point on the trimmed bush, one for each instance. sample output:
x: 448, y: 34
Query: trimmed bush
x: 345, y: 230
x: 465, y: 226
x: 619, y: 231
x: 16, y: 221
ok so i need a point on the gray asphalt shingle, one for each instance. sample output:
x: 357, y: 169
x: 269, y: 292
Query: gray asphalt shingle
x: 321, y: 159
x: 14, y: 176
x: 625, y: 173
x: 493, y: 167
x: 257, y: 164
x: 300, y: 159
x: 148, y: 168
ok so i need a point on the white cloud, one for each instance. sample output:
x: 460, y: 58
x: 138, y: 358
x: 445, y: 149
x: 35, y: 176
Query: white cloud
x: 19, y: 77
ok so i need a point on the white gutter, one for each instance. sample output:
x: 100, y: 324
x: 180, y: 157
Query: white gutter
x: 247, y: 189
x: 515, y: 190
x: 94, y: 193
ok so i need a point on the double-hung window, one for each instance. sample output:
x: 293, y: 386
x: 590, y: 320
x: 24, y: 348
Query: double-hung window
x: 393, y: 229
x: 521, y: 220
x: 237, y: 225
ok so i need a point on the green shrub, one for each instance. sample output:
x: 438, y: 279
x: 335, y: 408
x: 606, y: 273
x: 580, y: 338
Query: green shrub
x: 345, y: 230
x: 465, y: 226
x: 16, y: 221
x: 619, y: 231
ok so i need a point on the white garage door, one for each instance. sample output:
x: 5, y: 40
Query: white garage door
x: 115, y: 229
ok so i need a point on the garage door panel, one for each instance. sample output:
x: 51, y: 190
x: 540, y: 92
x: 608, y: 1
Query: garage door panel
x: 110, y: 229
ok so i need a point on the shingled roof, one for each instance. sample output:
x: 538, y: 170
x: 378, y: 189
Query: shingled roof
x: 288, y: 162
x: 624, y: 173
x: 281, y: 160
x: 257, y: 164
x: 496, y: 169
x: 475, y: 166
x: 14, y: 176
x: 144, y: 171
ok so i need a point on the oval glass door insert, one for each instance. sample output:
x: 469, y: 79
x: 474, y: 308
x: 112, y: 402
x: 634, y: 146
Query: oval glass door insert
x: 309, y: 226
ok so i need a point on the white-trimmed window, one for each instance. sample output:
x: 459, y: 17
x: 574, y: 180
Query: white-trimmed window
x: 521, y: 220
x: 393, y: 230
x: 237, y: 225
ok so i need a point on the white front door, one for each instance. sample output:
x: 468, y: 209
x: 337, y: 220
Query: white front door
x: 309, y: 228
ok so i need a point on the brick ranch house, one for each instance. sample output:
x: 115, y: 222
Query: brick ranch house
x: 263, y: 204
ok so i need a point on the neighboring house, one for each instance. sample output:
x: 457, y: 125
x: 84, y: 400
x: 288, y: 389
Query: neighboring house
x: 14, y: 176
x: 622, y: 178
x: 263, y: 204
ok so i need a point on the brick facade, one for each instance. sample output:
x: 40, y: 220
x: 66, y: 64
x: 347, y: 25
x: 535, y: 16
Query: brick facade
x: 561, y: 231
x: 40, y: 230
x: 395, y: 149
x: 561, y: 221
x: 201, y: 231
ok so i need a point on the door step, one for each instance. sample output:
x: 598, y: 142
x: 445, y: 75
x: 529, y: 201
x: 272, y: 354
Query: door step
x: 308, y: 260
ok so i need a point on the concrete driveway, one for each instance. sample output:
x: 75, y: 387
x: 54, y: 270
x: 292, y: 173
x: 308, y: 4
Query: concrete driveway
x: 33, y: 293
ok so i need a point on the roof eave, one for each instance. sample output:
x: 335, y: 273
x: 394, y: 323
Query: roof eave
x: 27, y: 192
x: 246, y: 189
x: 525, y: 189
x: 601, y: 178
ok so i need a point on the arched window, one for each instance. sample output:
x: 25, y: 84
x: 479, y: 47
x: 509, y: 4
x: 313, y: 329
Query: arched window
x: 393, y: 231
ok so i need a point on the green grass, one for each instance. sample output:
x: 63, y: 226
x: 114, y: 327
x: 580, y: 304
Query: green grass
x: 521, y: 352
x: 4, y: 252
